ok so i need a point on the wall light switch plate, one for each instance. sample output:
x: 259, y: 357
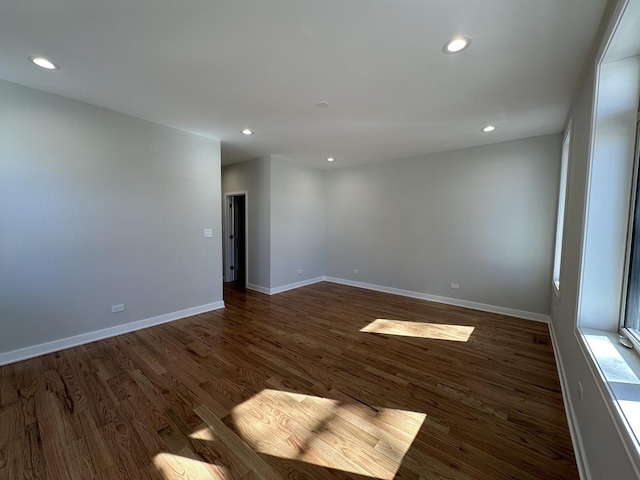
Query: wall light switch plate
x: 208, y: 233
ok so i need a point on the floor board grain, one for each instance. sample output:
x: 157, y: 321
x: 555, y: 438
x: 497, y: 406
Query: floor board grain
x: 322, y: 382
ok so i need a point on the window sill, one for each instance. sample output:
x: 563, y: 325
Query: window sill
x: 617, y: 371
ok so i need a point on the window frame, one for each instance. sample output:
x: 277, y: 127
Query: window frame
x: 632, y: 253
x: 562, y: 210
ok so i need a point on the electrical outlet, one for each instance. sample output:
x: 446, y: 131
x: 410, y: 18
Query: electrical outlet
x: 208, y: 233
x: 299, y: 271
x: 580, y: 390
x: 117, y: 308
x: 356, y: 271
x: 455, y: 286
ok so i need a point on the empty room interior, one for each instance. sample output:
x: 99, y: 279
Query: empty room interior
x: 305, y: 239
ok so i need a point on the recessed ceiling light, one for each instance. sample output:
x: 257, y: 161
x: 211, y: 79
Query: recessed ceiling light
x: 489, y: 128
x: 246, y: 131
x: 322, y: 104
x: 43, y: 63
x: 456, y: 45
x: 330, y: 159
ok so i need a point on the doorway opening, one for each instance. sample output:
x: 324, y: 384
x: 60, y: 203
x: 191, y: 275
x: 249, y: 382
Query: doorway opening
x: 235, y: 256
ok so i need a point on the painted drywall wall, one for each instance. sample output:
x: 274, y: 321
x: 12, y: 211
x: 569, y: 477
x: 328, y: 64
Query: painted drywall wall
x: 286, y: 211
x: 254, y: 177
x: 597, y: 435
x: 603, y: 448
x: 482, y: 217
x: 96, y: 209
x: 297, y: 222
x: 610, y: 193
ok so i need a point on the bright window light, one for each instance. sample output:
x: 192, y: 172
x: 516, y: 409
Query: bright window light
x: 612, y: 364
x: 621, y: 378
x: 434, y: 331
x: 562, y: 199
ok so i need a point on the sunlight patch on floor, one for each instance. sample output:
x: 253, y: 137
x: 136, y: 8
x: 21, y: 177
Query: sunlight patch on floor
x: 434, y: 331
x: 351, y: 437
x: 173, y: 467
x: 203, y: 433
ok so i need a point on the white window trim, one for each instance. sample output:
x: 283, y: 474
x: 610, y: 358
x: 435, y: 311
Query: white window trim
x: 622, y: 403
x: 562, y: 210
x: 624, y: 414
x: 632, y: 336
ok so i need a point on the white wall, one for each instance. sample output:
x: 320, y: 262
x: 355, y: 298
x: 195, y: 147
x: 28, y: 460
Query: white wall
x: 595, y: 286
x: 96, y: 209
x: 603, y: 448
x: 286, y: 209
x: 297, y: 222
x: 610, y: 194
x: 254, y: 177
x: 483, y: 217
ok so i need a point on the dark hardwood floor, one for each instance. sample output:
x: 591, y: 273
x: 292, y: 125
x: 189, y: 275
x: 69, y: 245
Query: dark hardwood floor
x: 289, y: 386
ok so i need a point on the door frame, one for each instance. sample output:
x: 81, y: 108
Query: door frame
x: 226, y: 219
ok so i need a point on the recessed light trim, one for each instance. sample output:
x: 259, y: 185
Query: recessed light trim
x: 489, y: 128
x: 246, y: 131
x: 322, y: 104
x: 43, y: 62
x: 456, y: 44
x: 331, y: 159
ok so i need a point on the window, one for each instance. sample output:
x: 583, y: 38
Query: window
x: 631, y: 325
x: 562, y: 196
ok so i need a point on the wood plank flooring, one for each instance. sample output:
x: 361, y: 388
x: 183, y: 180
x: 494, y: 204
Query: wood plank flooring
x: 322, y: 382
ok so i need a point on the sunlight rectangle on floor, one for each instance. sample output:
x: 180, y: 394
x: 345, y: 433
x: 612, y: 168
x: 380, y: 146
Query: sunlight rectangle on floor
x: 434, y: 331
x: 351, y: 437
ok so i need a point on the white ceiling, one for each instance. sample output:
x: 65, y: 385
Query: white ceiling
x: 214, y: 67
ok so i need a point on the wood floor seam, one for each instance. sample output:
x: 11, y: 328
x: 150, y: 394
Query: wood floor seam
x: 323, y: 382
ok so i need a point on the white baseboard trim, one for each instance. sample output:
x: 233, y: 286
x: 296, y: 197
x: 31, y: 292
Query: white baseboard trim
x: 284, y: 288
x: 64, y: 343
x: 538, y: 317
x: 295, y: 285
x: 258, y: 288
x: 574, y: 429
